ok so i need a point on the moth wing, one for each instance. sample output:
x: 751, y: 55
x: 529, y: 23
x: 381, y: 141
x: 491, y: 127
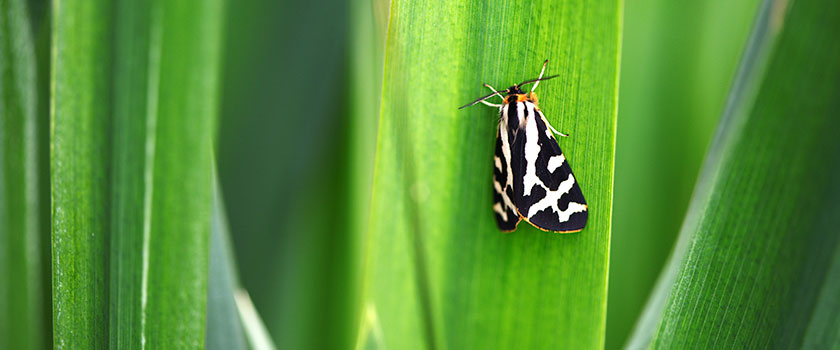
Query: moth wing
x: 507, y: 216
x: 546, y: 192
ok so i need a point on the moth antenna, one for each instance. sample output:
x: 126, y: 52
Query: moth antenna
x: 537, y: 80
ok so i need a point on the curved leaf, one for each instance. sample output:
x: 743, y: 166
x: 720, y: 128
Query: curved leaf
x: 678, y: 60
x: 754, y: 260
x: 224, y: 329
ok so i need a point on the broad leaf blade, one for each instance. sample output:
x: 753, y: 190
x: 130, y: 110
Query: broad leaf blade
x: 439, y: 272
x: 756, y: 250
x: 145, y: 213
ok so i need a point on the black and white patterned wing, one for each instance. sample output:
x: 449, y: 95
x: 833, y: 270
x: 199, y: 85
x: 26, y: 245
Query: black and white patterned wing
x: 546, y: 192
x: 506, y: 215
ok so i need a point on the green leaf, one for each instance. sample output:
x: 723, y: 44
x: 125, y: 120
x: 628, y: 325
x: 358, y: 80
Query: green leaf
x: 131, y: 227
x: 22, y: 297
x: 368, y: 25
x: 439, y: 273
x: 678, y: 61
x: 137, y: 67
x: 756, y: 262
x: 166, y: 89
x: 80, y: 158
x: 369, y: 20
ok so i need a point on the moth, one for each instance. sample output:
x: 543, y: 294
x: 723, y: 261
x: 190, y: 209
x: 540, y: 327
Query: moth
x: 532, y: 179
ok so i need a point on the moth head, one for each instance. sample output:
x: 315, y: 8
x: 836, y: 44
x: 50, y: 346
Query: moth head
x: 513, y: 90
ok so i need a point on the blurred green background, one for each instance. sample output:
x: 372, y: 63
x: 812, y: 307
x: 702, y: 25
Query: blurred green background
x: 293, y: 116
x: 283, y: 168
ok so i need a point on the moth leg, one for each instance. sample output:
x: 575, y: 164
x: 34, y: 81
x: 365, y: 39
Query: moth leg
x: 497, y: 94
x: 494, y: 90
x: 555, y: 131
x: 540, y: 78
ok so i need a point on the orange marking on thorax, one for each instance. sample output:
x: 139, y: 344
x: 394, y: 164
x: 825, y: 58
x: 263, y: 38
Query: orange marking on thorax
x: 533, y: 98
x: 530, y: 96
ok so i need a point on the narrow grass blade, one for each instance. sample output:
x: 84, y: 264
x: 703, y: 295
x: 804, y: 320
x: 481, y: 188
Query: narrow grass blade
x: 165, y: 90
x: 678, y: 61
x: 135, y: 84
x: 756, y: 249
x: 224, y: 328
x: 822, y: 332
x: 181, y: 198
x: 22, y: 293
x: 439, y: 273
x: 257, y: 334
x: 369, y: 20
x: 80, y: 157
x: 369, y: 25
x: 232, y: 321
